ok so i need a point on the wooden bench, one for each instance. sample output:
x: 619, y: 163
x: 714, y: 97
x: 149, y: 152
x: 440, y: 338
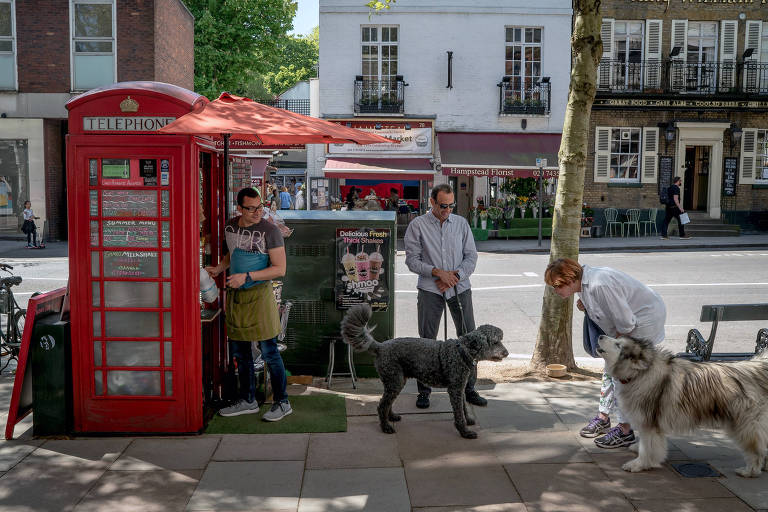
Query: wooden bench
x: 699, y: 349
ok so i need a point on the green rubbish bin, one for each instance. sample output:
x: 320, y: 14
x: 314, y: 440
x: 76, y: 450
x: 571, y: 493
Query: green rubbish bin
x: 321, y: 287
x: 51, y: 376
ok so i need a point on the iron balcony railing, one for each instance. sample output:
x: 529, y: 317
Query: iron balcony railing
x: 300, y: 106
x: 516, y: 99
x: 677, y: 76
x: 380, y: 96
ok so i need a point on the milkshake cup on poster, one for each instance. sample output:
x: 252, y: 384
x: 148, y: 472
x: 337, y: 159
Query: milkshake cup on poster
x: 375, y: 261
x: 362, y: 265
x: 348, y: 262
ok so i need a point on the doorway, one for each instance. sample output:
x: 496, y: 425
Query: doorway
x: 696, y: 179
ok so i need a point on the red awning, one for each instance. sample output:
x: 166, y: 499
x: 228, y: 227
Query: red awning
x: 379, y: 168
x: 509, y: 155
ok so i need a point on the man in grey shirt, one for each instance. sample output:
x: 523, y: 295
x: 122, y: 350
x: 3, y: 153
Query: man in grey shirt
x: 440, y: 249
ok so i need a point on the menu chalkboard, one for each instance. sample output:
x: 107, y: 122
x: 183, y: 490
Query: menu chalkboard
x: 130, y: 264
x: 666, y: 172
x: 129, y: 233
x: 730, y: 170
x: 129, y: 203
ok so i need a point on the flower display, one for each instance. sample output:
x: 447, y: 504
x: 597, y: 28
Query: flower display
x: 494, y: 212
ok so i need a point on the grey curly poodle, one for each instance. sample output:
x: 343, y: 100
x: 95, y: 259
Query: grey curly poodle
x: 440, y: 364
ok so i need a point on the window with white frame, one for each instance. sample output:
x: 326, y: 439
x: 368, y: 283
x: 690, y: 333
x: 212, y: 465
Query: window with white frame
x: 701, y: 55
x: 761, y: 157
x: 93, y: 43
x: 627, y: 54
x: 522, y: 63
x: 625, y: 154
x: 7, y: 46
x: 379, y: 52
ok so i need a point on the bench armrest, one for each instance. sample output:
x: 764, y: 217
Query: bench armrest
x: 696, y: 347
x: 761, y: 344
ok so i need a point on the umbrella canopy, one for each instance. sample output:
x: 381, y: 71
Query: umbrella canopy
x: 244, y: 119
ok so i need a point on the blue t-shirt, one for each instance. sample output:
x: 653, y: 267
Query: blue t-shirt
x: 250, y: 246
x: 285, y: 201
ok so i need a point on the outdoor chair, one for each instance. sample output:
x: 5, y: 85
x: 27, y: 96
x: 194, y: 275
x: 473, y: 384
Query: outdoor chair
x: 611, y: 214
x: 649, y: 226
x: 633, y: 219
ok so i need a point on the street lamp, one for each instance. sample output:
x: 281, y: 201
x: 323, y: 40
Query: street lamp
x: 735, y: 135
x: 669, y: 133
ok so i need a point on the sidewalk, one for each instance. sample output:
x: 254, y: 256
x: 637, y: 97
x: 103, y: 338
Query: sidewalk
x: 528, y: 457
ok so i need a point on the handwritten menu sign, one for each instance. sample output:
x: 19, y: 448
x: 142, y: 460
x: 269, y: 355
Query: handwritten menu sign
x: 129, y: 233
x: 129, y: 203
x: 666, y: 169
x: 730, y: 170
x: 130, y: 264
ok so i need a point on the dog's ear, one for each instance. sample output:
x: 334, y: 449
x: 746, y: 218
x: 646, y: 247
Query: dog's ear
x: 636, y: 352
x: 475, y: 341
x: 491, y: 332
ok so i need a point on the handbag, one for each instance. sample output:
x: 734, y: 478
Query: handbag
x: 684, y: 219
x: 591, y: 333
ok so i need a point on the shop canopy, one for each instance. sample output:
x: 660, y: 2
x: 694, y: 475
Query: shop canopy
x: 395, y: 169
x: 508, y: 155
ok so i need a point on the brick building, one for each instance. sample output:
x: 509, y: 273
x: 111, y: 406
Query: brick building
x: 682, y: 91
x: 52, y: 50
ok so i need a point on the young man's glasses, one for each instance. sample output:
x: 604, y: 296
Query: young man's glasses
x: 446, y: 206
x: 252, y: 209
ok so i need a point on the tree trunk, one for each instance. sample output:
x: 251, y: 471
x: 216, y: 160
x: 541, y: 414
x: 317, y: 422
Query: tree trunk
x: 554, y: 342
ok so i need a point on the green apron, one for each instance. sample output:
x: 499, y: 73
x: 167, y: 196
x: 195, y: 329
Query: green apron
x: 252, y: 314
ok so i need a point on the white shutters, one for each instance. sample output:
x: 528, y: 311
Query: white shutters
x: 650, y: 155
x: 752, y: 39
x: 653, y: 53
x: 605, y: 70
x: 602, y: 154
x: 679, y: 41
x: 748, y: 154
x: 728, y: 29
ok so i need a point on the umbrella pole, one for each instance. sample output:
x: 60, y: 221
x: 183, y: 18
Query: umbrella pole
x: 225, y: 178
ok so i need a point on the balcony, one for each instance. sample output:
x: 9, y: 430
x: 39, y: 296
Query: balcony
x: 533, y: 100
x: 299, y: 106
x: 679, y: 77
x: 379, y: 96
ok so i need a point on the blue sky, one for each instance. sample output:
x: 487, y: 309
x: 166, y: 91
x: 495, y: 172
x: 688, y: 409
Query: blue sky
x: 306, y: 17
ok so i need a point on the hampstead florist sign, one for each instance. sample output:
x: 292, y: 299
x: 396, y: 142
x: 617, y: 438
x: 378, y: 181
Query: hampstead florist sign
x: 125, y: 124
x: 678, y: 103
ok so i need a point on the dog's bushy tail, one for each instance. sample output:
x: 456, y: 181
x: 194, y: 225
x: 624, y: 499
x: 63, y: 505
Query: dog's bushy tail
x: 355, y: 330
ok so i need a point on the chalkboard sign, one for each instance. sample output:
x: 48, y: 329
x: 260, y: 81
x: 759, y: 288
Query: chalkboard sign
x: 130, y: 264
x: 129, y: 203
x: 730, y: 170
x: 666, y: 172
x: 129, y: 233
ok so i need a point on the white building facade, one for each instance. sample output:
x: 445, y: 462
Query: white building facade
x: 485, y: 83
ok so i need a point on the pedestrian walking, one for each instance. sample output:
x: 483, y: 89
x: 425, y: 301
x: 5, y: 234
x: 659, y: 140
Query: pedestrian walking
x: 673, y: 209
x: 29, y: 227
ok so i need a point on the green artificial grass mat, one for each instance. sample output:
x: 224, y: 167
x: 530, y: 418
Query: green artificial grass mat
x: 311, y: 413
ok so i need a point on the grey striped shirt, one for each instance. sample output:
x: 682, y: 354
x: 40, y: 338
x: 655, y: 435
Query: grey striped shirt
x: 449, y: 246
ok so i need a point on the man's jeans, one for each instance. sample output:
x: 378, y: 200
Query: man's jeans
x: 240, y: 351
x: 430, y: 308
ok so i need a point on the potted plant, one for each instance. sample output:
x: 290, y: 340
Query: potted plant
x: 472, y: 217
x: 533, y: 202
x: 494, y: 212
x: 483, y: 219
x: 522, y: 202
x: 509, y: 214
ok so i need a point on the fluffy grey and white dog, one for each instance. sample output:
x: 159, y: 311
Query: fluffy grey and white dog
x: 435, y: 363
x: 661, y: 394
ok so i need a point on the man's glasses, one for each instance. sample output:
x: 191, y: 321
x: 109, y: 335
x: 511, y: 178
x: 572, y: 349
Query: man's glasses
x: 446, y: 206
x: 252, y: 209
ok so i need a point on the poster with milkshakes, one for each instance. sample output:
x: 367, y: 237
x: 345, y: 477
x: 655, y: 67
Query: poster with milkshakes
x: 360, y: 267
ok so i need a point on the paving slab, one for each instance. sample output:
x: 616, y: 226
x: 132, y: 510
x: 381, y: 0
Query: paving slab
x: 79, y: 453
x: 13, y: 451
x: 753, y: 491
x: 536, y: 447
x: 567, y: 487
x: 496, y: 507
x: 459, y: 482
x: 707, y: 445
x: 405, y: 403
x: 42, y: 487
x: 513, y: 417
x: 657, y: 483
x: 519, y: 392
x: 571, y: 389
x: 262, y: 447
x: 439, y: 440
x: 249, y: 485
x: 692, y: 505
x: 167, y: 453
x: 574, y: 412
x: 364, y: 445
x: 147, y: 491
x: 370, y: 489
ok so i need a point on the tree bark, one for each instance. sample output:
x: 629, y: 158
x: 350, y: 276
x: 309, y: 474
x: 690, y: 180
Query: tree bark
x: 554, y: 343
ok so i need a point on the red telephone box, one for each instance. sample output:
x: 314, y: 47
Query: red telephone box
x: 133, y: 199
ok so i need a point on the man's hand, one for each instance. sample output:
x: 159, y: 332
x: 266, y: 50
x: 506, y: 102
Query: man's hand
x: 449, y: 279
x: 236, y: 280
x: 579, y: 304
x: 214, y: 271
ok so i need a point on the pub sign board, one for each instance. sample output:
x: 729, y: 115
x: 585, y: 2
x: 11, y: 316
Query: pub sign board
x: 666, y: 169
x: 730, y: 171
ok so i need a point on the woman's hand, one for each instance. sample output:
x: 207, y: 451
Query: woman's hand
x: 579, y: 304
x: 236, y: 280
x: 214, y: 271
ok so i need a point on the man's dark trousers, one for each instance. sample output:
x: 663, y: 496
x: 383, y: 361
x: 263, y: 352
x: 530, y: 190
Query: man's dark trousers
x: 430, y: 308
x: 672, y: 212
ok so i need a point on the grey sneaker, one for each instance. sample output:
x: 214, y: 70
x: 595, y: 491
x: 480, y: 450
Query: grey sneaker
x: 595, y: 427
x: 615, y: 438
x: 278, y: 411
x: 241, y: 407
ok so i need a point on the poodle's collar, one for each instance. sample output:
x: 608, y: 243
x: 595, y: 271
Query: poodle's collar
x: 464, y: 355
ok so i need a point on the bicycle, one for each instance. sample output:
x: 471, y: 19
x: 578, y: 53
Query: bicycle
x: 12, y: 317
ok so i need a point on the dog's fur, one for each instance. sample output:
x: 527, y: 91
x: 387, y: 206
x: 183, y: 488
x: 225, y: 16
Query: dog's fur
x: 661, y: 395
x: 440, y: 364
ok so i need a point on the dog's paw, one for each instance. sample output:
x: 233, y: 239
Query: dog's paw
x: 469, y: 434
x: 748, y: 472
x: 394, y: 417
x: 635, y: 466
x: 634, y: 447
x: 470, y: 421
x: 388, y: 429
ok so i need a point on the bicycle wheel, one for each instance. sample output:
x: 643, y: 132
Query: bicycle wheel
x: 19, y: 319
